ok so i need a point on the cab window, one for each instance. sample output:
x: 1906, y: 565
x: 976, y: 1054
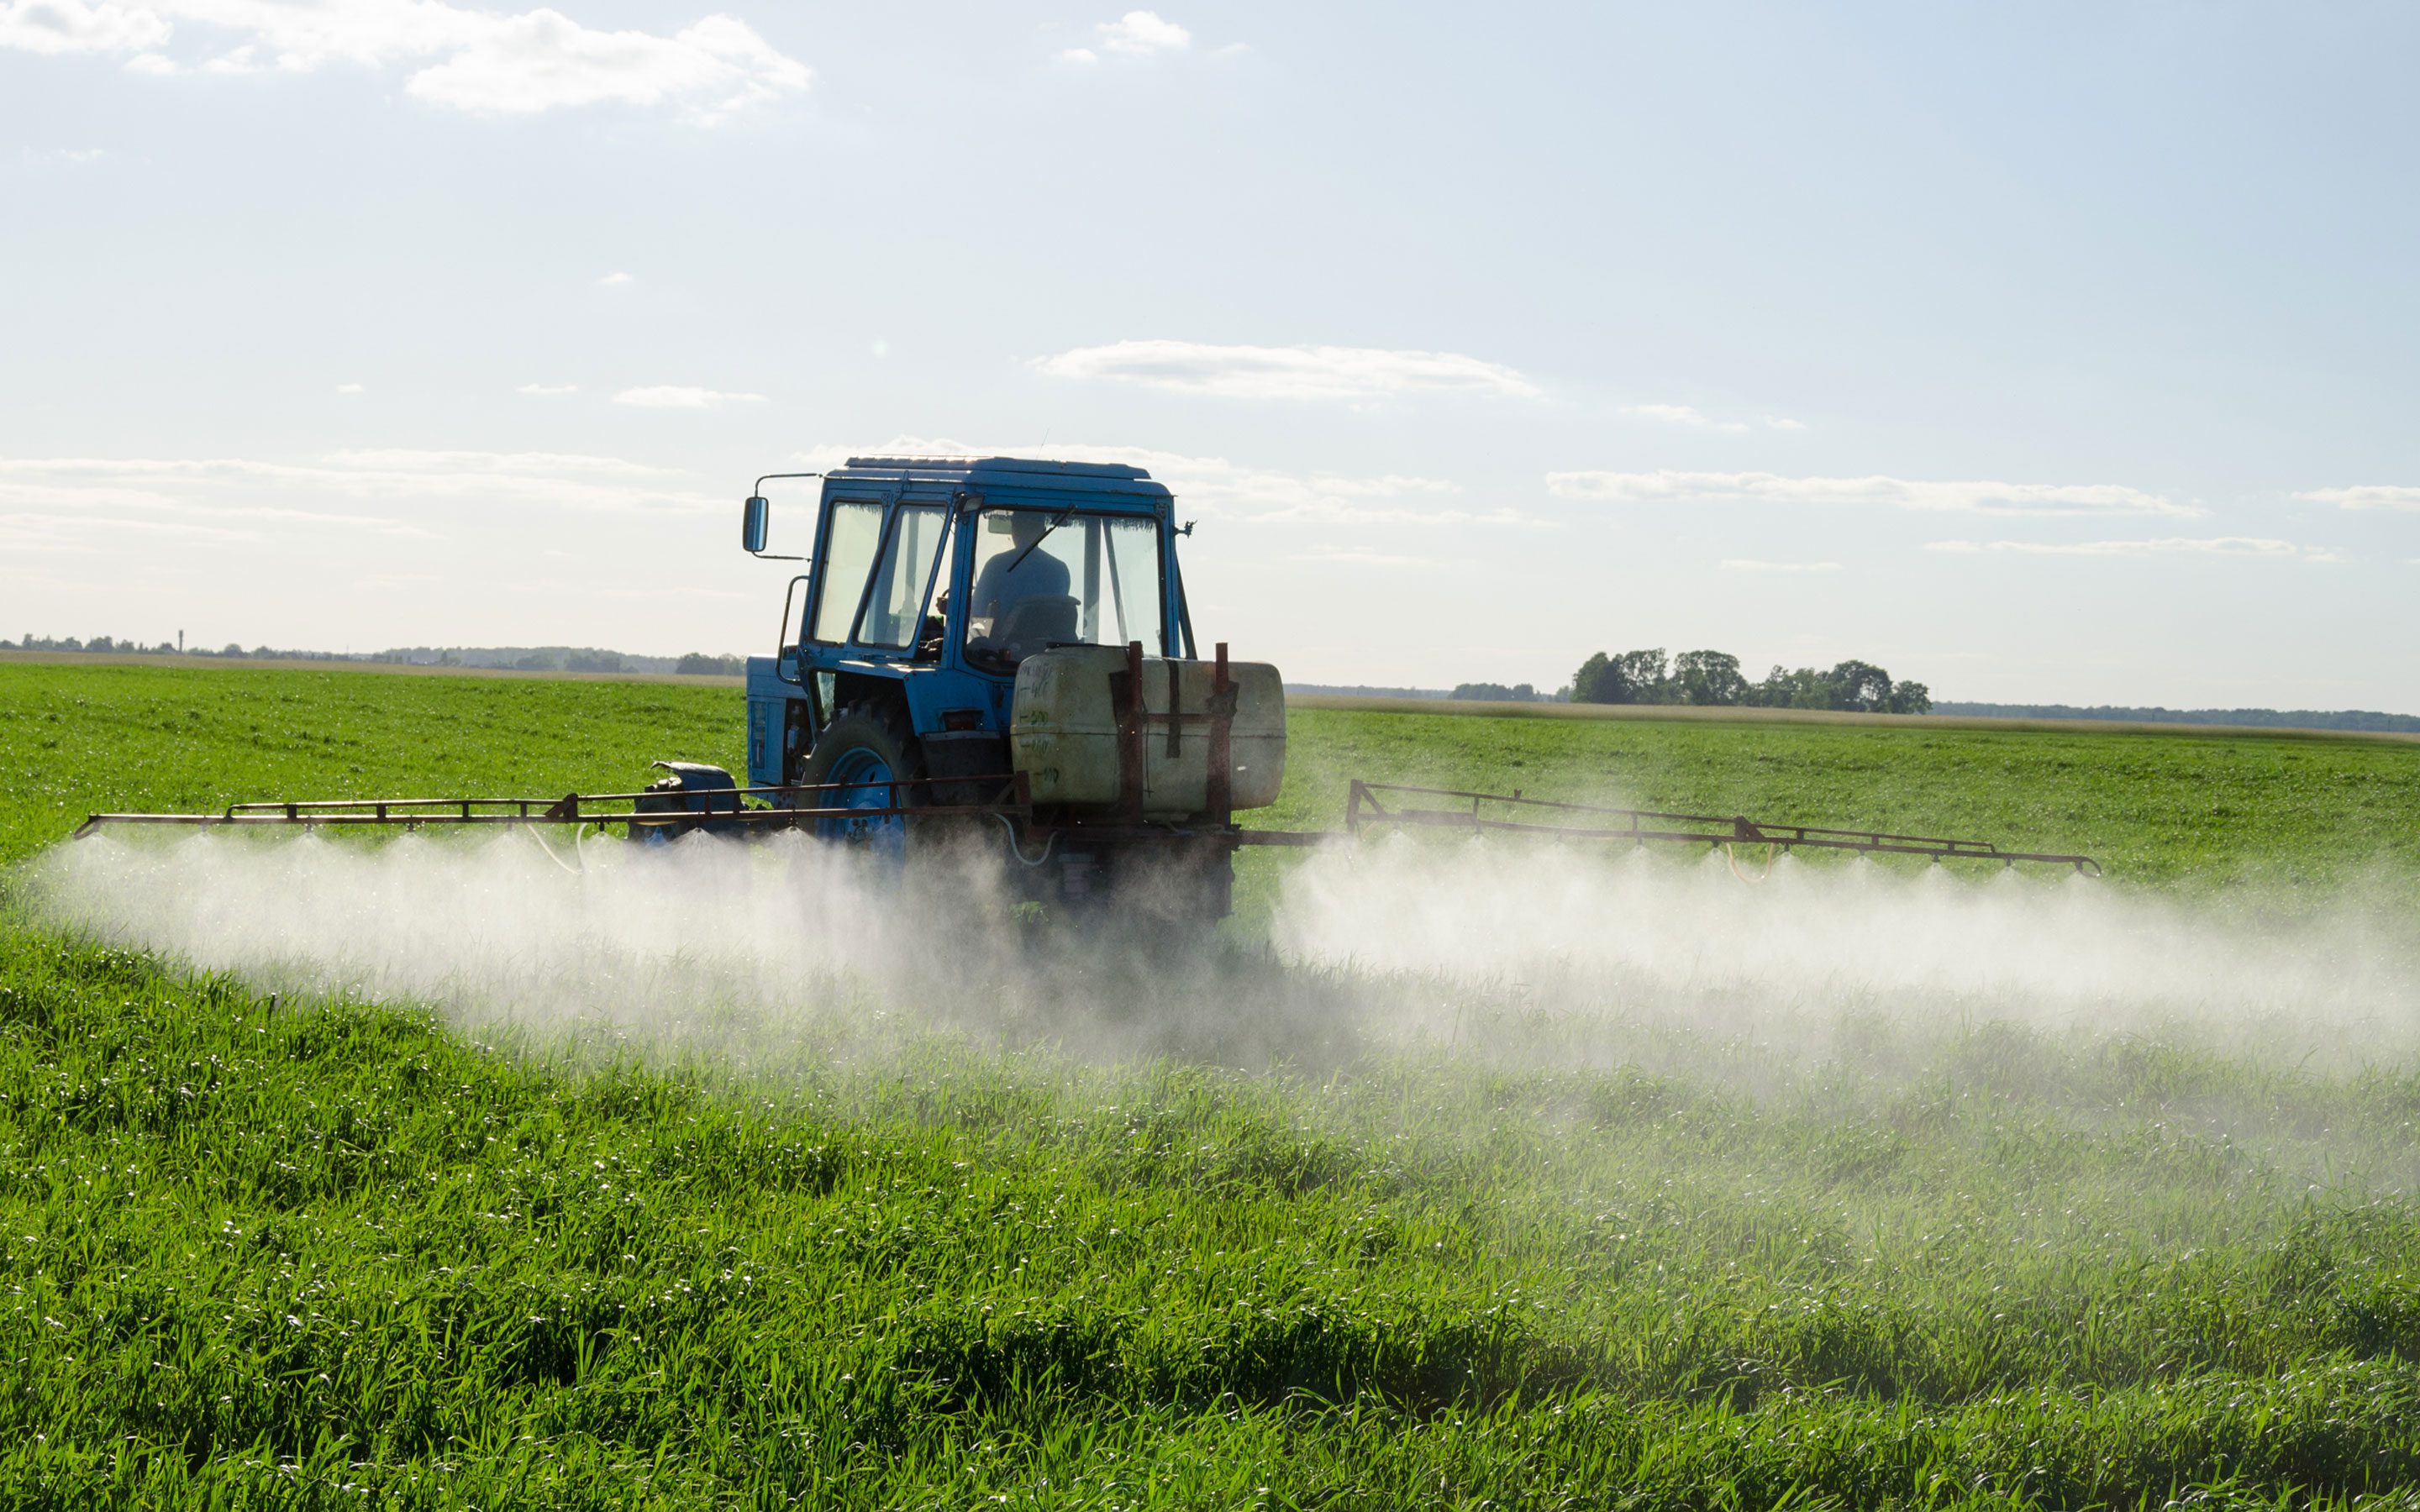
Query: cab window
x: 849, y: 544
x: 1044, y: 577
x: 895, y: 609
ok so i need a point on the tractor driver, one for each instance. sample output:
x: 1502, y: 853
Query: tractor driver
x: 1019, y: 573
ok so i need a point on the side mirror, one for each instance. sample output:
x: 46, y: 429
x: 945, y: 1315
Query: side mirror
x: 752, y: 524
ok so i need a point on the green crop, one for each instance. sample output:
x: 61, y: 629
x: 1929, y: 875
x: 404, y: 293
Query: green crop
x: 2181, y: 810
x: 303, y: 1251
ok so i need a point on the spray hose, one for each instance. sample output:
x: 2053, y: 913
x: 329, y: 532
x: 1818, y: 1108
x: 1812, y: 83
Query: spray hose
x: 1013, y: 849
x: 558, y: 860
x: 1731, y: 854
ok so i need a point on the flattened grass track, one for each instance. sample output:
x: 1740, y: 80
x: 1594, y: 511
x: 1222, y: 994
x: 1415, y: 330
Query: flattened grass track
x: 314, y: 1254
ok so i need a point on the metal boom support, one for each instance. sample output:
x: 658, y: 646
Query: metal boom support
x: 1489, y: 812
x: 783, y: 806
x: 1367, y: 805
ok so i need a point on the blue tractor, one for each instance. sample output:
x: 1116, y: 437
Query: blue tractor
x: 1003, y: 646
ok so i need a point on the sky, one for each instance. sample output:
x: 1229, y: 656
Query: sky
x: 2044, y: 353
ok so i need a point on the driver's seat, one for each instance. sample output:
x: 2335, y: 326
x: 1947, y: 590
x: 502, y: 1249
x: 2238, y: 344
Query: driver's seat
x: 1034, y: 624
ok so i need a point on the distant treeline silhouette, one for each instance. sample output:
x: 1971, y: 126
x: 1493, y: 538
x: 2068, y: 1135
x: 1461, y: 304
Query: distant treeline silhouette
x: 111, y: 645
x: 1713, y: 678
x: 506, y: 658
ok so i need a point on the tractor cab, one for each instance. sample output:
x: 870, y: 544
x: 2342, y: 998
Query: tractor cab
x: 929, y: 583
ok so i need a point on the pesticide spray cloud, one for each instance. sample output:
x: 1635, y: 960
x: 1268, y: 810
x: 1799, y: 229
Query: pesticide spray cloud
x: 672, y: 944
x: 767, y: 956
x: 1640, y: 931
x: 711, y: 947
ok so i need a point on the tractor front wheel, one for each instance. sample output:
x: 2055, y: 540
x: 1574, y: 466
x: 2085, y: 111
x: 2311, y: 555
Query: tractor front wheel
x: 870, y: 754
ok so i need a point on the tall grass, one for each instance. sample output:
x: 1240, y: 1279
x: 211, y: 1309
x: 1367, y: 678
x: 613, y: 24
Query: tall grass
x: 304, y: 1251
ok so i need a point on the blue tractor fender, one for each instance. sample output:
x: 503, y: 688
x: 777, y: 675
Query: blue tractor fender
x: 948, y: 708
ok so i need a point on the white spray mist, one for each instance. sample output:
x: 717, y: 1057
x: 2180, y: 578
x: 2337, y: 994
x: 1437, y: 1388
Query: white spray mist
x: 712, y: 945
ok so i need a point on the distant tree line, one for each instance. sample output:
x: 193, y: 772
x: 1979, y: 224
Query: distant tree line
x: 1367, y: 690
x: 1498, y: 693
x: 570, y: 661
x: 1714, y: 679
x: 513, y: 658
x: 111, y: 645
x: 102, y: 642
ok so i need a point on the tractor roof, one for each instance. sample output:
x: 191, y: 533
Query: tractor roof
x: 1007, y: 473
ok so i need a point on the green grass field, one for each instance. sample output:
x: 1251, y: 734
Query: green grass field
x: 308, y: 1252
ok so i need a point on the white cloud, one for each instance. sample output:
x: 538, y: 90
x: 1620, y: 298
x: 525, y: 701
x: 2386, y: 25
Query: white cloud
x: 615, y: 280
x: 2214, y: 546
x: 1143, y: 34
x: 680, y: 396
x: 2365, y: 495
x: 480, y: 61
x: 546, y: 391
x: 542, y: 61
x: 348, y: 388
x: 1692, y: 418
x: 1681, y: 414
x: 1747, y: 564
x: 245, y: 491
x: 63, y: 157
x: 59, y: 26
x: 1359, y: 373
x: 1079, y: 54
x: 1355, y: 556
x: 82, y: 533
x: 1219, y: 488
x: 1978, y: 497
x: 416, y: 459
x: 195, y: 520
x: 552, y: 588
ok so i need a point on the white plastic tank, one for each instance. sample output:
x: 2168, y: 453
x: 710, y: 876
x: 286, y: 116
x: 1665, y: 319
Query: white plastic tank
x: 1063, y: 733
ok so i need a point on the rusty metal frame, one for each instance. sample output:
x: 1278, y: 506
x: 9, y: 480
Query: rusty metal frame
x: 1133, y: 715
x: 1367, y: 805
x: 1220, y: 799
x: 719, y: 806
x: 1135, y: 721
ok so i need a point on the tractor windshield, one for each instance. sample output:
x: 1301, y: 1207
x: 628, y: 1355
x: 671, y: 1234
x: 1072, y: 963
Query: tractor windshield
x: 1048, y: 578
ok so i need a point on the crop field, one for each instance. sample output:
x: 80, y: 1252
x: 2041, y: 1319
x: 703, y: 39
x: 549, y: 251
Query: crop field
x: 340, y: 1175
